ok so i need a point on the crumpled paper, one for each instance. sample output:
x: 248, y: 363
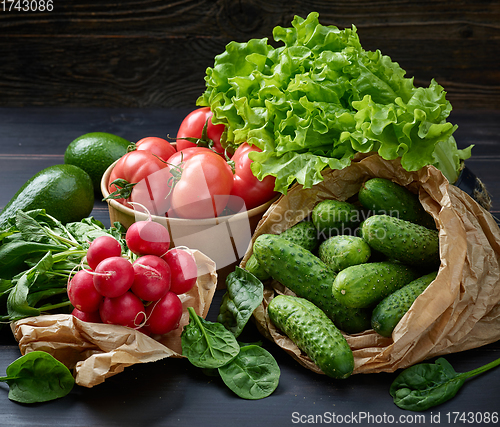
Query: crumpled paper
x: 96, y: 351
x: 460, y: 310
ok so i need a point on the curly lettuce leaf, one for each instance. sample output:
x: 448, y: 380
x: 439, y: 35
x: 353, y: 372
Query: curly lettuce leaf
x: 319, y: 99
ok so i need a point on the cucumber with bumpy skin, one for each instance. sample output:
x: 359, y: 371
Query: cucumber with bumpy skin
x: 387, y: 314
x: 308, y: 277
x: 364, y: 285
x: 314, y: 333
x: 339, y: 252
x: 253, y: 266
x: 303, y: 233
x: 385, y: 197
x: 402, y: 240
x: 334, y: 217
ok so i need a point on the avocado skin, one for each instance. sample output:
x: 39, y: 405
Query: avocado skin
x: 65, y: 192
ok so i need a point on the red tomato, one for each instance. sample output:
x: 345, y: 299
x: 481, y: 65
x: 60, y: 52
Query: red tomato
x: 247, y: 187
x: 158, y: 146
x: 185, y: 154
x: 192, y: 127
x: 204, y: 187
x: 154, y: 192
x: 134, y: 167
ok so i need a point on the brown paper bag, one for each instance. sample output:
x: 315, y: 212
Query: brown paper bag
x: 460, y: 310
x: 97, y: 351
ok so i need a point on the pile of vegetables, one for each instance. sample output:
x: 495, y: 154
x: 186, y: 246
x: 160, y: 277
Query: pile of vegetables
x: 354, y: 260
x: 270, y: 117
x: 319, y: 99
x: 354, y: 266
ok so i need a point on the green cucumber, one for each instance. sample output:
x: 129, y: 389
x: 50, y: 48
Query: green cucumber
x: 388, y: 312
x: 334, y: 217
x: 253, y: 266
x: 353, y: 320
x: 364, y: 285
x: 308, y: 277
x: 303, y: 233
x: 384, y: 197
x: 402, y: 240
x: 339, y: 252
x: 314, y: 333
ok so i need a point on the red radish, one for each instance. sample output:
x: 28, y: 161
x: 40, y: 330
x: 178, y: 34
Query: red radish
x: 164, y: 315
x: 113, y: 276
x: 125, y: 310
x: 152, y: 277
x: 82, y: 293
x: 93, y: 317
x: 102, y: 247
x: 183, y: 269
x: 147, y: 238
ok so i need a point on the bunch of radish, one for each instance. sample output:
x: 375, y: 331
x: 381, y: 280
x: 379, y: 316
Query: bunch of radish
x: 141, y: 294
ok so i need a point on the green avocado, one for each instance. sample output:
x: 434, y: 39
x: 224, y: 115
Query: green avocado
x: 64, y: 191
x: 94, y: 152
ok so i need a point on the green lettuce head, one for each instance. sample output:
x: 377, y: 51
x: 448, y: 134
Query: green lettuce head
x: 319, y: 99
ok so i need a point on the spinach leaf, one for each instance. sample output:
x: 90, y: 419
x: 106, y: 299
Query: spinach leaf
x: 19, y: 302
x: 14, y: 254
x: 37, y: 377
x: 86, y: 230
x: 252, y: 374
x: 5, y: 287
x: 425, y: 385
x: 207, y: 344
x: 244, y: 294
x: 31, y: 229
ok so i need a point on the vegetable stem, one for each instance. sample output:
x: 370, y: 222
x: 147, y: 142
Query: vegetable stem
x: 480, y: 370
x: 55, y: 306
x: 194, y: 316
x: 60, y: 239
x: 62, y: 255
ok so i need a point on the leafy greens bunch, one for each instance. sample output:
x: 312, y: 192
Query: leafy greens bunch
x: 38, y: 255
x: 319, y: 99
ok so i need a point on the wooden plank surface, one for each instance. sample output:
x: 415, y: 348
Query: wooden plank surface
x: 154, y: 53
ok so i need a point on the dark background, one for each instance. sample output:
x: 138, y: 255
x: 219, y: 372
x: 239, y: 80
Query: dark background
x: 153, y: 53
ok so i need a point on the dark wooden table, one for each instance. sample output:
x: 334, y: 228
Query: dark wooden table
x: 172, y: 392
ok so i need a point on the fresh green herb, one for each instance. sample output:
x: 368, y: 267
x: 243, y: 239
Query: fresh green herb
x: 247, y: 369
x: 207, y: 344
x: 425, y: 385
x: 243, y: 295
x: 320, y: 99
x: 252, y: 374
x: 37, y: 377
x: 38, y: 255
